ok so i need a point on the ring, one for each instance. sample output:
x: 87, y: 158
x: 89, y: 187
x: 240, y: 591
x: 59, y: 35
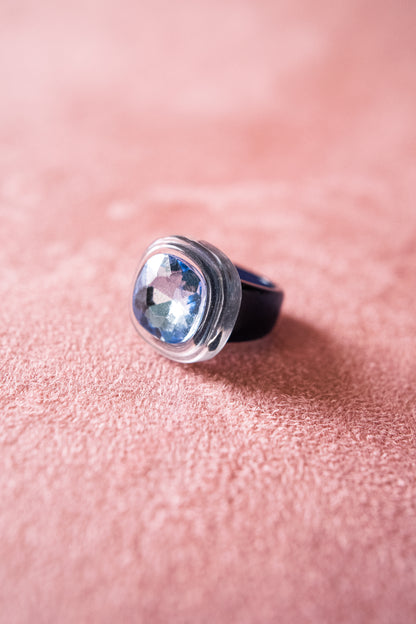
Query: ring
x: 189, y: 300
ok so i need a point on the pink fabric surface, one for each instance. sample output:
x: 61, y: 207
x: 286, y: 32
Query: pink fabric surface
x: 275, y: 483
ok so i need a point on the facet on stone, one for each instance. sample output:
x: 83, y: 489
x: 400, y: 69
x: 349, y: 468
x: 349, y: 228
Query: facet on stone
x: 169, y: 298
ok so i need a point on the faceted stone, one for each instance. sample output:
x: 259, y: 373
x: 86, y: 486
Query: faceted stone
x: 169, y: 298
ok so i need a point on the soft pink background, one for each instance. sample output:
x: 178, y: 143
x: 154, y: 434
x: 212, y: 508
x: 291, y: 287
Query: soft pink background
x: 277, y: 482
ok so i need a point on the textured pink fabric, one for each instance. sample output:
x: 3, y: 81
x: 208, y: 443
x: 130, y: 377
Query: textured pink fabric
x: 277, y: 482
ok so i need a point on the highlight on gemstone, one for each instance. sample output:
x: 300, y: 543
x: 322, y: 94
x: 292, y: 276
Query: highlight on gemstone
x: 169, y: 298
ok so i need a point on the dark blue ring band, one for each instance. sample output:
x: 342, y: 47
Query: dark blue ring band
x: 260, y: 307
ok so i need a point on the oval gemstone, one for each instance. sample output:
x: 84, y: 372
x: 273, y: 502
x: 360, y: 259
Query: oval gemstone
x: 169, y: 298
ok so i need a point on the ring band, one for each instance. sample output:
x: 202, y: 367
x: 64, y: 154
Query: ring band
x: 189, y: 300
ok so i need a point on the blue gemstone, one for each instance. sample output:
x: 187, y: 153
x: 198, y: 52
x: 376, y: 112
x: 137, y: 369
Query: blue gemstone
x: 169, y: 298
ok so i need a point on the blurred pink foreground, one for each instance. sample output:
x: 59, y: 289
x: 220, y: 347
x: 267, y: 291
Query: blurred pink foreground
x: 275, y: 484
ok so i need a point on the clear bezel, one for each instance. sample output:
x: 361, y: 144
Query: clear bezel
x: 222, y: 286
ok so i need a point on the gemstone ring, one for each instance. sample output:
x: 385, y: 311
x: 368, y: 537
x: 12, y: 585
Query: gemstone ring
x: 189, y: 300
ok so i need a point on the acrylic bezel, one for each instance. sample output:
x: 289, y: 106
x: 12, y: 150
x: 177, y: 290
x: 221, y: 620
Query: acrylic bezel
x: 222, y: 285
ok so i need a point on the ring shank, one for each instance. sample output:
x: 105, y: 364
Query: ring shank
x: 260, y: 307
